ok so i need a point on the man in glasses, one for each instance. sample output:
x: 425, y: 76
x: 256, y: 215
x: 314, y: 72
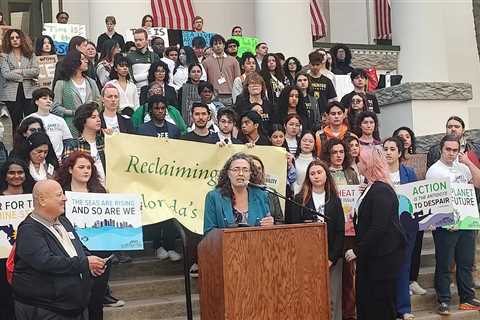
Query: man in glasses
x: 359, y: 81
x: 231, y: 49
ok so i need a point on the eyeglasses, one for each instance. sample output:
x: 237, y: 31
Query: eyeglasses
x: 238, y: 170
x: 33, y: 130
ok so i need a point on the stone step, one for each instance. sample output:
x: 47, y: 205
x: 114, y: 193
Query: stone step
x: 429, y: 301
x: 426, y: 277
x: 427, y: 242
x: 428, y: 258
x: 150, y: 287
x: 146, y: 266
x: 454, y: 315
x: 150, y: 309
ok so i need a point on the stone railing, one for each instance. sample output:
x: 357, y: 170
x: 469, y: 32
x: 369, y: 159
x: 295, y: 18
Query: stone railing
x: 424, y: 143
x: 367, y: 56
x: 424, y: 91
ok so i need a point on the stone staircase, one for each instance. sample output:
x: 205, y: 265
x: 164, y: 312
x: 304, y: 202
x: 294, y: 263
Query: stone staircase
x: 424, y: 307
x: 154, y: 289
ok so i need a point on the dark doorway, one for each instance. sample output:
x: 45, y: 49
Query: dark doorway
x: 27, y: 15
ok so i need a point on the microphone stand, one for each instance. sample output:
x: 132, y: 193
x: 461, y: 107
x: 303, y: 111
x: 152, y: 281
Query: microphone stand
x: 315, y: 213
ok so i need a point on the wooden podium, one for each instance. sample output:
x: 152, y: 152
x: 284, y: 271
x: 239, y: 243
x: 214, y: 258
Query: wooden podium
x: 278, y: 272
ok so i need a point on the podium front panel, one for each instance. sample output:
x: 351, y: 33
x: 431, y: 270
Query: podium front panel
x: 278, y: 272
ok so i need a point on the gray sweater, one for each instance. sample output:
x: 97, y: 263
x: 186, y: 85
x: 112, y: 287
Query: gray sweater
x: 27, y: 72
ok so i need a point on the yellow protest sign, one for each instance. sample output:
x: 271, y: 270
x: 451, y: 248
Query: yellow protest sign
x: 173, y: 176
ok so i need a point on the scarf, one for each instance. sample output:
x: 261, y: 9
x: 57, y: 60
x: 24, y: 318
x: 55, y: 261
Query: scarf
x: 41, y: 174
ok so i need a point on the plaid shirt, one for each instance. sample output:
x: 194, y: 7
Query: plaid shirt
x: 80, y: 144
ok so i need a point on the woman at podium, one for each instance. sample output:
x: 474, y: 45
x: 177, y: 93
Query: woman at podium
x: 233, y: 202
x: 318, y: 192
x: 380, y: 240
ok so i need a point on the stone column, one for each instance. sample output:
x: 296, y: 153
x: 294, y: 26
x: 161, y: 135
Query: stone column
x: 285, y: 26
x: 417, y: 27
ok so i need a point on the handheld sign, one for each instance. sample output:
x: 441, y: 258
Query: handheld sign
x: 62, y: 33
x: 13, y: 210
x: 106, y: 221
x: 428, y: 201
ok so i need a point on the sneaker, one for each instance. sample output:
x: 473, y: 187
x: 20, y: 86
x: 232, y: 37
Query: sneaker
x: 473, y: 304
x: 194, y: 271
x: 408, y: 316
x: 443, y: 309
x: 174, y: 256
x: 110, y: 301
x: 161, y: 253
x: 416, y: 289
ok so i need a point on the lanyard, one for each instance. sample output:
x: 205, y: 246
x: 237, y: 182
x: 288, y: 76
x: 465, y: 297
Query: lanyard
x: 220, y: 66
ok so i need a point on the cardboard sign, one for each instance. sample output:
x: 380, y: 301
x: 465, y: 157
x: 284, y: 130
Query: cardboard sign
x: 46, y: 66
x: 153, y: 32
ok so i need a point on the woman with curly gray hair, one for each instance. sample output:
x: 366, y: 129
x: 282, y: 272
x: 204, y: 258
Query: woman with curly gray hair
x: 233, y: 202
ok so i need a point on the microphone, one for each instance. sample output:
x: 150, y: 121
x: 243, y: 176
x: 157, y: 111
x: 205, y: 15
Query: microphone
x: 260, y: 186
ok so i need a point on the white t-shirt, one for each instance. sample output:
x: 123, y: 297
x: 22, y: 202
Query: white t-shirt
x: 395, y: 177
x: 319, y: 202
x: 57, y: 130
x: 98, y: 161
x: 112, y: 122
x: 82, y: 89
x: 457, y: 173
x: 129, y: 97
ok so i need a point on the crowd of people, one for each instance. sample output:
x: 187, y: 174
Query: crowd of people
x: 205, y: 93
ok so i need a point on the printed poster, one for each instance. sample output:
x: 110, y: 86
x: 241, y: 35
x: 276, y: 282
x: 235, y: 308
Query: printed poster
x: 247, y: 44
x: 62, y: 33
x: 174, y: 176
x: 106, y: 221
x: 428, y: 201
x: 187, y: 37
x: 13, y: 210
x: 348, y: 194
x: 465, y: 207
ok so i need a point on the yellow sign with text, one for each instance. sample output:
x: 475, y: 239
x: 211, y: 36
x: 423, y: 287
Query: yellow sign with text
x: 173, y: 176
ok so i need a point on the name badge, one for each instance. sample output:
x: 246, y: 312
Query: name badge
x: 71, y: 235
x: 222, y: 80
x: 50, y: 169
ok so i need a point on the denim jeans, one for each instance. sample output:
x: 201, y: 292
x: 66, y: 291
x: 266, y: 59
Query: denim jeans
x: 450, y: 246
x: 403, y: 281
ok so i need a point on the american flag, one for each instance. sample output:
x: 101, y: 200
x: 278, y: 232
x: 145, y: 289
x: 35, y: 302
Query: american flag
x: 319, y: 24
x: 173, y: 14
x: 382, y: 14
